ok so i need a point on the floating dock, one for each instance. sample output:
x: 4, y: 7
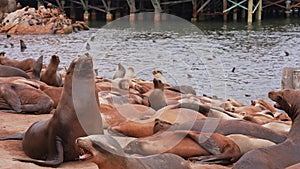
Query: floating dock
x: 250, y: 10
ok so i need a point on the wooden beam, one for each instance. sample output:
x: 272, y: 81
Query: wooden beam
x: 203, y: 6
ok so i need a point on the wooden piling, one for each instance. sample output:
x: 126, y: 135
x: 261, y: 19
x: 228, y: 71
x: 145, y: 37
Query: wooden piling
x: 224, y: 8
x: 86, y: 15
x: 109, y: 17
x: 250, y: 9
x: 72, y: 10
x: 194, y: 19
x: 287, y: 8
x: 259, y: 11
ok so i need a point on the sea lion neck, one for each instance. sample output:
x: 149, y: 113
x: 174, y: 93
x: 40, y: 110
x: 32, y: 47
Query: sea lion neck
x: 295, y: 129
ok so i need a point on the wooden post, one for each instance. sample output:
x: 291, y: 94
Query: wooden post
x: 86, y: 15
x: 243, y: 14
x: 234, y: 16
x: 93, y: 15
x: 224, y: 8
x: 288, y: 8
x: 194, y: 19
x: 109, y: 17
x: 250, y: 9
x: 72, y: 12
x: 259, y: 11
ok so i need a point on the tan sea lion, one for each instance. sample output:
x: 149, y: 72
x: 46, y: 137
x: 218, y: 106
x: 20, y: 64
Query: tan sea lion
x: 203, y: 147
x: 106, y: 152
x: 51, y: 76
x: 286, y: 153
x: 51, y: 142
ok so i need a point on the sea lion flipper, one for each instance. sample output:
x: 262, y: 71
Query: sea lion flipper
x: 206, y: 142
x: 56, y: 160
x: 211, y: 159
x: 37, y: 68
x: 13, y: 137
x: 11, y: 97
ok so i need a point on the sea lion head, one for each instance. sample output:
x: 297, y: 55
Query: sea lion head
x: 160, y: 125
x: 84, y: 67
x: 158, y: 84
x: 98, y: 148
x: 54, y: 60
x: 287, y: 100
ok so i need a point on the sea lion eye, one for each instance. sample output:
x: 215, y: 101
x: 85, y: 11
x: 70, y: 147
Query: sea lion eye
x: 279, y: 98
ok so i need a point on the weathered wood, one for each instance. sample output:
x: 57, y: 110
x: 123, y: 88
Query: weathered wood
x: 224, y: 9
x: 259, y: 11
x: 250, y: 9
x: 290, y: 78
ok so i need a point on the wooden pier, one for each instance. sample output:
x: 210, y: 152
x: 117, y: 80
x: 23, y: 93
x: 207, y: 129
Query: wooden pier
x: 194, y: 9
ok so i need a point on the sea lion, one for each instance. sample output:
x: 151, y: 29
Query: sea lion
x: 51, y: 75
x: 24, y: 99
x: 106, y: 152
x: 22, y: 45
x: 184, y: 89
x: 52, y: 142
x: 143, y: 128
x: 120, y: 72
x: 130, y: 74
x: 193, y: 145
x: 37, y: 68
x: 9, y: 71
x: 159, y: 76
x: 227, y: 127
x: 26, y: 64
x: 54, y: 93
x: 286, y: 153
x: 157, y: 98
x: 247, y: 143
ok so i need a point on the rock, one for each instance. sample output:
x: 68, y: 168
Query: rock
x: 41, y: 21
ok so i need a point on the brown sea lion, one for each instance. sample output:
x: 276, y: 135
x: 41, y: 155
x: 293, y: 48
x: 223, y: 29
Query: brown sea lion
x: 51, y: 76
x: 203, y: 147
x: 9, y: 71
x: 24, y: 99
x: 106, y: 152
x: 26, y: 64
x: 22, y: 45
x: 52, y: 142
x: 227, y: 127
x: 37, y: 68
x: 286, y: 153
x: 54, y: 93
